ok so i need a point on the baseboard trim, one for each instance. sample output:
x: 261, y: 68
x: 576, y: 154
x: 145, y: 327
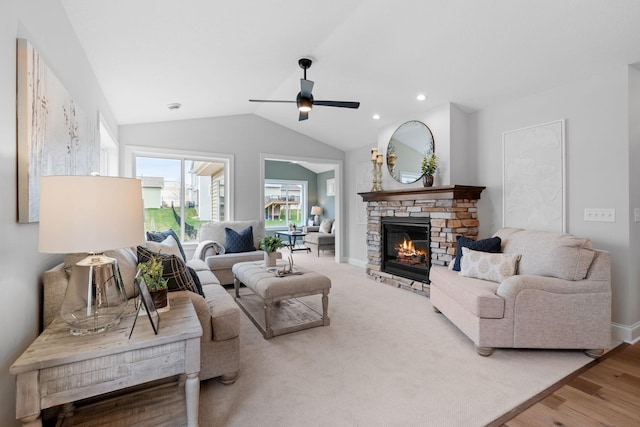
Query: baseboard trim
x: 628, y: 334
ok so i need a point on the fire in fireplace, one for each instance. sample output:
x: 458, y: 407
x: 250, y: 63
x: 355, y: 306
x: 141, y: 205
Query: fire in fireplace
x: 406, y: 246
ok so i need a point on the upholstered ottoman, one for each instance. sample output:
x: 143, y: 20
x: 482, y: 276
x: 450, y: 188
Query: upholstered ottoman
x: 274, y: 306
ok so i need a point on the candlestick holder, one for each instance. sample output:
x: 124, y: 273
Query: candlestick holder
x: 376, y: 185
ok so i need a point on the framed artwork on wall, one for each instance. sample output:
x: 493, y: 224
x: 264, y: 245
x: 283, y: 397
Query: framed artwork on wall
x: 55, y: 136
x: 534, y: 177
x: 331, y: 187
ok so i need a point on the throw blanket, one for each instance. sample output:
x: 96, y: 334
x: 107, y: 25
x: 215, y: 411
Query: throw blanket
x: 208, y: 248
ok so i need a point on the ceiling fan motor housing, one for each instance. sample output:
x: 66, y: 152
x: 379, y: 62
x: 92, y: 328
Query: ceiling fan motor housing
x: 305, y: 103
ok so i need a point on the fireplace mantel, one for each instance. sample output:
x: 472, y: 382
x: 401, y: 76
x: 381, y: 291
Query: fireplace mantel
x: 446, y: 192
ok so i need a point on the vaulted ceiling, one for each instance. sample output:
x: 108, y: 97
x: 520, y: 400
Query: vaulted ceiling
x: 213, y: 56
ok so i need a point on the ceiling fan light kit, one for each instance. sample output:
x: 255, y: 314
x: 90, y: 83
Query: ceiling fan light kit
x: 304, y: 99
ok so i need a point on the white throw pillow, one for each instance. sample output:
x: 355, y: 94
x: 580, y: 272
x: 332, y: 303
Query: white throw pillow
x: 325, y: 226
x: 488, y: 266
x: 168, y: 246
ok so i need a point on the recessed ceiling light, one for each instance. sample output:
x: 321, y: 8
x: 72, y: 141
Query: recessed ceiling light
x: 376, y: 117
x: 174, y: 106
x: 421, y: 97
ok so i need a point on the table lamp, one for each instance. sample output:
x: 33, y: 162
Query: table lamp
x: 91, y: 214
x: 315, y: 211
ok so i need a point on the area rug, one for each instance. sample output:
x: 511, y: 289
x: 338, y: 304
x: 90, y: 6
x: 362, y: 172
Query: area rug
x: 387, y: 359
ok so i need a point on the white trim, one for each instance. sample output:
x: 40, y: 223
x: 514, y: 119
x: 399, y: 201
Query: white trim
x: 228, y: 159
x: 629, y: 334
x: 338, y: 167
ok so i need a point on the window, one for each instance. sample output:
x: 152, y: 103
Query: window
x: 108, y: 150
x: 285, y: 203
x: 181, y: 192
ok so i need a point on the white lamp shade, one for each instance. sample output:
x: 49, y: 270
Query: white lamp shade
x: 316, y: 210
x: 90, y: 214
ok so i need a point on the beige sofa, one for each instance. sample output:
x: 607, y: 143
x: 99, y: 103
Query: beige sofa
x: 217, y: 312
x: 321, y: 237
x: 212, y: 248
x: 560, y: 297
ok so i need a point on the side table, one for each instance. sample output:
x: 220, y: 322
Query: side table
x: 59, y: 368
x: 292, y: 240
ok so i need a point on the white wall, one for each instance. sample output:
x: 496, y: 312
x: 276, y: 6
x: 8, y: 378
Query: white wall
x: 634, y: 197
x: 45, y: 25
x: 244, y: 136
x: 597, y: 171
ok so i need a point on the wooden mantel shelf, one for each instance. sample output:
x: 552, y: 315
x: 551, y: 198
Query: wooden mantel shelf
x: 446, y: 192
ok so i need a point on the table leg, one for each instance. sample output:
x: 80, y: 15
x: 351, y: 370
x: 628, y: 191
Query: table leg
x: 236, y: 285
x: 325, y: 308
x: 268, y: 330
x: 192, y: 395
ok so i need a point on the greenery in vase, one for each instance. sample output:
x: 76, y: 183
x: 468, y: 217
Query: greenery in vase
x: 271, y: 244
x: 151, y: 271
x: 429, y: 164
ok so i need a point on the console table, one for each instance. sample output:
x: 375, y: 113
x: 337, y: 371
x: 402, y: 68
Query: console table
x: 59, y: 368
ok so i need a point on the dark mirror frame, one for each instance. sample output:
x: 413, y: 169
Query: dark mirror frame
x: 410, y: 142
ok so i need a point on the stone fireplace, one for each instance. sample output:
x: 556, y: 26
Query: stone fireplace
x: 449, y: 211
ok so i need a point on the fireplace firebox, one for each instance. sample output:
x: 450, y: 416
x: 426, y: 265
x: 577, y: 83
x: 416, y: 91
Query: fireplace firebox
x: 406, y: 244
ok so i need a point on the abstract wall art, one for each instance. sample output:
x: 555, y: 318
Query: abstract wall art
x: 55, y: 136
x: 534, y: 177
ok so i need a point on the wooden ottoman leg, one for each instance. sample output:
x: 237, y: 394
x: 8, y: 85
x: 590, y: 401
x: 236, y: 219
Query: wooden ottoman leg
x: 268, y: 330
x: 236, y: 285
x: 325, y: 308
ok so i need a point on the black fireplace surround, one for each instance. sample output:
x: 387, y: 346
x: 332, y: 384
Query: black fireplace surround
x: 406, y: 244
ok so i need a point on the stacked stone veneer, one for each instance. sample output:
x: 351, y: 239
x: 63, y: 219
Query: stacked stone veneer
x: 451, y: 210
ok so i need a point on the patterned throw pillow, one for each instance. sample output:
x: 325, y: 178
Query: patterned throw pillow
x: 325, y: 226
x: 159, y: 236
x: 239, y: 242
x: 168, y: 246
x: 488, y: 266
x: 173, y: 269
x: 486, y: 245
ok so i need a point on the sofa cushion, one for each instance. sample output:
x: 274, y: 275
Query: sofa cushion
x: 168, y: 246
x: 549, y: 254
x: 491, y: 244
x: 474, y: 295
x: 173, y: 269
x: 320, y: 238
x: 226, y: 261
x: 488, y: 266
x: 239, y: 241
x: 216, y: 231
x: 159, y: 236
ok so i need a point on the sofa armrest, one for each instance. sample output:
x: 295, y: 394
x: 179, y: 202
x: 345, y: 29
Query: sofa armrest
x: 205, y: 248
x: 311, y: 228
x: 512, y: 286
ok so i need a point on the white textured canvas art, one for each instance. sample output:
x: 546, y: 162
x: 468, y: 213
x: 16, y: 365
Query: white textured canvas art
x: 55, y: 136
x: 534, y: 177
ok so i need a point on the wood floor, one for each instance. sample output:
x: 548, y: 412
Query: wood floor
x: 604, y: 393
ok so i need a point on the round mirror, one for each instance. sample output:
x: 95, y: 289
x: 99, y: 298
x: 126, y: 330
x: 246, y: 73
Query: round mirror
x: 408, y: 145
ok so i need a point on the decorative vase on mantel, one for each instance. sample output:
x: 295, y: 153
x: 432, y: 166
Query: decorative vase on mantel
x: 427, y: 180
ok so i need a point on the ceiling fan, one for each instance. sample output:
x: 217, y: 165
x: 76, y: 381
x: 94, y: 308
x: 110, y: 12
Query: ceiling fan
x: 305, y: 100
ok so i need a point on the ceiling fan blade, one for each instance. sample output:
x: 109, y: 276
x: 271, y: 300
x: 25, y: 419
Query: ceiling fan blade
x: 342, y: 104
x: 306, y: 86
x: 270, y: 100
x: 304, y: 115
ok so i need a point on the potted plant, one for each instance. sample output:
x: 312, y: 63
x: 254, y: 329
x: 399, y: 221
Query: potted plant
x: 151, y: 271
x: 429, y: 166
x: 270, y: 245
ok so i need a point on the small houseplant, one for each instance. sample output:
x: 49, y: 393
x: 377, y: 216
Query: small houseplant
x: 429, y: 166
x: 151, y: 272
x: 270, y: 245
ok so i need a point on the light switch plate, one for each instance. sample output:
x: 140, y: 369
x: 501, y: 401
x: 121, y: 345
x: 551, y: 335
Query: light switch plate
x: 636, y: 215
x: 600, y: 215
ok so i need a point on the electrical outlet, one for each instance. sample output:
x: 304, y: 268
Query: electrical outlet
x: 601, y: 215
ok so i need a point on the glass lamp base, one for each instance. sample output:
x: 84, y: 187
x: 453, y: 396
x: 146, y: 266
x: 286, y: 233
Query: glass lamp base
x: 95, y: 297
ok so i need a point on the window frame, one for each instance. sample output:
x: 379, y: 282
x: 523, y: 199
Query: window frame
x: 303, y: 200
x: 132, y: 151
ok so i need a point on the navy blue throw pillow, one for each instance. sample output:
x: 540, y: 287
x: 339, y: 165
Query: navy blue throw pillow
x: 486, y: 245
x: 159, y: 236
x: 239, y: 242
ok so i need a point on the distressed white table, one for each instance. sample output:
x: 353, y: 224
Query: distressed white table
x: 59, y: 368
